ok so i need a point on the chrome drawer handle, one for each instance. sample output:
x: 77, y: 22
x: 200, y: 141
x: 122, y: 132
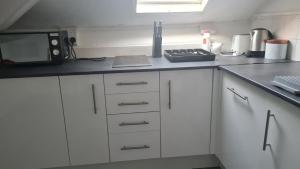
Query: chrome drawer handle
x: 269, y: 115
x: 124, y: 148
x: 94, y: 98
x: 170, y: 94
x: 133, y: 104
x: 131, y: 83
x: 134, y: 123
x: 237, y: 94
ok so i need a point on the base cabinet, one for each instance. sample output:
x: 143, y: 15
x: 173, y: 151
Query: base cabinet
x: 283, y: 136
x: 85, y: 113
x: 240, y: 125
x: 32, y: 132
x: 185, y: 112
x: 243, y: 130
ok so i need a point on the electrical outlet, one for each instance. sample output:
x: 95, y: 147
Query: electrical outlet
x: 73, y: 33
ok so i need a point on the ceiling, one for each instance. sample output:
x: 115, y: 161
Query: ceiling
x: 103, y: 13
x: 12, y: 10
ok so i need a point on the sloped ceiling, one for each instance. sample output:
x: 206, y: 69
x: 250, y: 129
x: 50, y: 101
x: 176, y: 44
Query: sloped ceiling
x: 12, y: 10
x: 103, y: 13
x: 280, y: 6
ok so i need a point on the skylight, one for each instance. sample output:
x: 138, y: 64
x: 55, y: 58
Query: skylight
x: 166, y: 6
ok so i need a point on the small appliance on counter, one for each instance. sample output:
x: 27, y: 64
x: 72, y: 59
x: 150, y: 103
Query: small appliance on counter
x: 288, y: 83
x: 276, y: 49
x: 34, y: 48
x: 157, y: 40
x: 258, y: 36
x: 189, y: 55
x: 240, y: 44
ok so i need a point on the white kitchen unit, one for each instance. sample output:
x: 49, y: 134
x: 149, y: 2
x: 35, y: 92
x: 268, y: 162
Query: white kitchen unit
x: 32, y: 132
x: 244, y: 138
x: 283, y: 137
x: 86, y: 123
x: 135, y: 122
x: 133, y: 115
x: 185, y: 112
x: 132, y: 102
x: 240, y: 124
x: 131, y: 82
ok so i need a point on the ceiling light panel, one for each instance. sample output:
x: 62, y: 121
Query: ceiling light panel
x: 167, y: 6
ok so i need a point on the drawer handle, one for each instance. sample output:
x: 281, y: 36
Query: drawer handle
x: 237, y: 94
x: 131, y: 83
x: 94, y: 98
x: 134, y: 123
x: 133, y: 104
x: 269, y: 115
x: 170, y: 94
x: 124, y: 148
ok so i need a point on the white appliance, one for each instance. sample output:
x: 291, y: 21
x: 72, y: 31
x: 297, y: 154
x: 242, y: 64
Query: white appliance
x: 240, y: 44
x: 276, y: 49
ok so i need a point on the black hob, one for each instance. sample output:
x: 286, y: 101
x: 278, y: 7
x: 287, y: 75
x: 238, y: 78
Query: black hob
x: 189, y: 55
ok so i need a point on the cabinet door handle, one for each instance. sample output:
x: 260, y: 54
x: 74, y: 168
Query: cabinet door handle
x: 133, y: 123
x: 133, y: 104
x: 94, y: 98
x: 124, y: 148
x: 131, y: 83
x: 267, y: 130
x: 170, y: 94
x: 237, y: 94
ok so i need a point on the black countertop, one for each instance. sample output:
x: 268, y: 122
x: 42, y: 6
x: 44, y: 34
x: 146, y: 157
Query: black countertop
x: 255, y: 70
x: 102, y: 67
x: 261, y: 74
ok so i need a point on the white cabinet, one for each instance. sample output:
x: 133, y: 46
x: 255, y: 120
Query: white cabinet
x: 240, y: 125
x: 135, y: 145
x: 133, y: 115
x: 185, y: 112
x: 32, y: 131
x: 131, y: 82
x: 84, y: 108
x: 283, y: 135
x: 132, y: 102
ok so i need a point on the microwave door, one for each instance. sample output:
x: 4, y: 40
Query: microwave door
x: 25, y: 48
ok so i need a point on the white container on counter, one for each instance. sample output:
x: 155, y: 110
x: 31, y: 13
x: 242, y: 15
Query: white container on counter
x: 240, y: 44
x: 276, y: 49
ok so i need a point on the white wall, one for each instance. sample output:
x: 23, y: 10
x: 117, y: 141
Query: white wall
x: 115, y: 41
x: 102, y: 13
x: 280, y: 7
x: 282, y: 18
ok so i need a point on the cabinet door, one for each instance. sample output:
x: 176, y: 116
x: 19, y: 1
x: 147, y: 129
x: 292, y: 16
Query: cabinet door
x: 32, y: 131
x: 241, y: 124
x: 283, y: 136
x: 185, y: 112
x: 84, y: 108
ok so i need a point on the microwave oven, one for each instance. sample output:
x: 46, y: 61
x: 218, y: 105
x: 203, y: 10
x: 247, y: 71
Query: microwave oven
x: 34, y: 48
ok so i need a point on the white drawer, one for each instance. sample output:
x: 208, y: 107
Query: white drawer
x: 131, y: 82
x: 124, y: 123
x: 134, y: 146
x: 132, y: 103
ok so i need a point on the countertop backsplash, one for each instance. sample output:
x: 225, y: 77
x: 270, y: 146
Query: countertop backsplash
x: 118, y: 41
x: 283, y: 27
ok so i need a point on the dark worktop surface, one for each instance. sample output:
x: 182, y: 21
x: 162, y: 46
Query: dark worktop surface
x: 261, y: 74
x: 257, y: 71
x: 102, y: 67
